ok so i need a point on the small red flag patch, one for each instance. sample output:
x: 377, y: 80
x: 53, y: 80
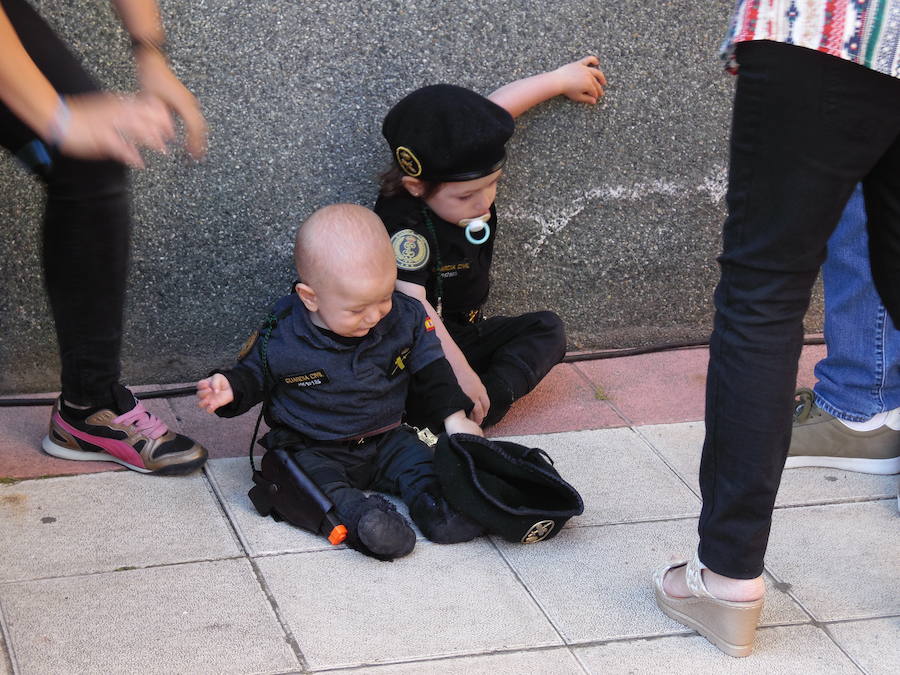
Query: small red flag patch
x: 429, y: 324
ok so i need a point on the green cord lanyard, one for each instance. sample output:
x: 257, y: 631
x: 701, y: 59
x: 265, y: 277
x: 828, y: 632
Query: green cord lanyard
x: 439, y: 284
x: 268, y: 379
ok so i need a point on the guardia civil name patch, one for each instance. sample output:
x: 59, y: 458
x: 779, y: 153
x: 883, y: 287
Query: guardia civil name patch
x: 410, y: 249
x: 311, y: 379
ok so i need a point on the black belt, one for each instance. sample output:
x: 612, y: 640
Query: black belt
x: 282, y: 437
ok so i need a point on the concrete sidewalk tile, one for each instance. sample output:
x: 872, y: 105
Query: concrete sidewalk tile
x: 5, y: 663
x: 620, y: 479
x: 874, y: 644
x: 563, y: 401
x: 842, y: 560
x: 209, y: 617
x: 653, y: 388
x: 100, y: 522
x: 21, y: 432
x: 346, y: 609
x: 532, y: 662
x: 681, y: 444
x: 809, y: 357
x: 222, y: 437
x: 595, y: 583
x: 263, y: 536
x: 23, y: 428
x: 667, y: 387
x: 782, y: 650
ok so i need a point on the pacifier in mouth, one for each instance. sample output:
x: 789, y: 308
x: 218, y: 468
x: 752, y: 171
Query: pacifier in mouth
x: 474, y: 225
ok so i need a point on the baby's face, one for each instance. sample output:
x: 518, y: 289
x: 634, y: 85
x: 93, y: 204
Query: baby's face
x: 352, y: 305
x: 466, y: 199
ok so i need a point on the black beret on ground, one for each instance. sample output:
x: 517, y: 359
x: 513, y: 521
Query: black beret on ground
x: 445, y: 133
x: 512, y: 490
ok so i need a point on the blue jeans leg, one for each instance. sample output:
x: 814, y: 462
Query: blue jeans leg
x: 860, y: 376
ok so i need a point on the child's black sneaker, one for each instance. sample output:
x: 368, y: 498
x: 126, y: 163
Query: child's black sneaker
x: 126, y: 433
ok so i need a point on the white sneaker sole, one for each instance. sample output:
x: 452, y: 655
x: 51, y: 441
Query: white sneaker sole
x: 881, y: 467
x: 55, y: 450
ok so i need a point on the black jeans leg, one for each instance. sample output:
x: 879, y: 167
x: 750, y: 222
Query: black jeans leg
x: 806, y: 127
x: 520, y: 349
x: 86, y: 229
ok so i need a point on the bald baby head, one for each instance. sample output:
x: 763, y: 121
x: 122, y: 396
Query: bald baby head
x: 342, y: 240
x: 347, y: 269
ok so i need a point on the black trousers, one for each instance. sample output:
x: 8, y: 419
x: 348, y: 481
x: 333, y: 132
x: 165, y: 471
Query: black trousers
x: 806, y: 128
x: 511, y: 354
x: 85, y: 232
x: 395, y: 462
x: 520, y: 349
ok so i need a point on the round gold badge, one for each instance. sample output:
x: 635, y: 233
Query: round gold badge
x: 409, y: 163
x: 538, y: 532
x: 410, y: 249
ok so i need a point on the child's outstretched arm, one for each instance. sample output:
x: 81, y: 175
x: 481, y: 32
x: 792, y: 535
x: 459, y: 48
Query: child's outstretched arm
x: 580, y: 81
x: 214, y: 392
x: 467, y: 378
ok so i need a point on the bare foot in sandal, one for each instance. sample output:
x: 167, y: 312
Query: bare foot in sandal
x: 726, y: 613
x: 724, y: 588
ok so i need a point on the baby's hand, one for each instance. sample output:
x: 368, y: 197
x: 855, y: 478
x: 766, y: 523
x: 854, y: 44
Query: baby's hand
x: 214, y: 392
x: 581, y: 80
x: 458, y: 423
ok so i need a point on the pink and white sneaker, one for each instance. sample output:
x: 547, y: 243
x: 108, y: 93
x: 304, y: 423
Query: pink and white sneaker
x: 130, y: 436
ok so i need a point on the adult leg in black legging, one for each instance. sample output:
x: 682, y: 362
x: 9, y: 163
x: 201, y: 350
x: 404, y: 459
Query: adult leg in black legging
x: 86, y: 229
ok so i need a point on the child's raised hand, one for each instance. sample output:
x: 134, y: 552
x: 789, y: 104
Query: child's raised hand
x: 214, y: 392
x: 582, y: 80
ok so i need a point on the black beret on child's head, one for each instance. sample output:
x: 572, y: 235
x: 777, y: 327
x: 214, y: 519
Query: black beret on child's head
x: 445, y: 133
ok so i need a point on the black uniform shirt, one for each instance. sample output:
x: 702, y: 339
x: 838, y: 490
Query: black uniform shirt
x: 327, y: 389
x: 464, y: 267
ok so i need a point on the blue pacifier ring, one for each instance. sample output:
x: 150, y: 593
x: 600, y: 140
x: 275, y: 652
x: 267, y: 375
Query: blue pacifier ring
x: 469, y: 230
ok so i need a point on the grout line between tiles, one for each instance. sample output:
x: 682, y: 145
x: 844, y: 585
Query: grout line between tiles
x: 593, y: 385
x: 441, y: 658
x: 666, y: 462
x: 518, y: 577
x: 10, y: 653
x: 220, y: 500
x: 130, y: 568
x: 273, y: 604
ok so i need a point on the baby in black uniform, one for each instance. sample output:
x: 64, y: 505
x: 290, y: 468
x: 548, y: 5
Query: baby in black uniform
x: 333, y: 363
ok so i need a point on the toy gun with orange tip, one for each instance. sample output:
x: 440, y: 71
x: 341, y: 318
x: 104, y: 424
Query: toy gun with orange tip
x: 282, y: 490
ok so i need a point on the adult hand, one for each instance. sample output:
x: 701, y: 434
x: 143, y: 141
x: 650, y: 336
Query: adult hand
x: 106, y: 126
x: 214, y: 392
x: 157, y: 79
x: 582, y: 80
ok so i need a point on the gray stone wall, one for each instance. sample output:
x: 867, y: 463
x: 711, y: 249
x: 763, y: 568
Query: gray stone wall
x: 610, y: 214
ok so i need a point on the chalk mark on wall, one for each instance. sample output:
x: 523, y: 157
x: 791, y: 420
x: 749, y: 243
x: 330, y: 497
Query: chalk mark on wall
x: 712, y: 189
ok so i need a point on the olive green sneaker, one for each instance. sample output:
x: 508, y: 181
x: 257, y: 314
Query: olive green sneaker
x: 819, y: 439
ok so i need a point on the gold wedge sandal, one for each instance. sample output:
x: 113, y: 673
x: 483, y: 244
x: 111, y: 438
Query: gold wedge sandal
x: 729, y: 625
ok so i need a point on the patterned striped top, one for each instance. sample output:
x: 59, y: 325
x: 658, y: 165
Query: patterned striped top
x: 866, y: 32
